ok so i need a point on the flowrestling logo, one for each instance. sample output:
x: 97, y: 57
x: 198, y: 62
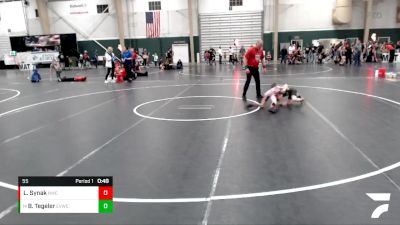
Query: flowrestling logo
x: 379, y: 197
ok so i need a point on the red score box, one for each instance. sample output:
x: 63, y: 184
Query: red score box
x: 105, y: 193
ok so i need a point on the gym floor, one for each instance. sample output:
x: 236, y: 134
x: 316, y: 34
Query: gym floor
x: 184, y: 148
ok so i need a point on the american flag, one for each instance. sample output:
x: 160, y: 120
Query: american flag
x: 153, y: 24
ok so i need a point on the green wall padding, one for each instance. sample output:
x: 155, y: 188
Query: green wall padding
x: 308, y: 36
x: 394, y: 33
x: 91, y: 46
x: 268, y: 39
x: 159, y: 45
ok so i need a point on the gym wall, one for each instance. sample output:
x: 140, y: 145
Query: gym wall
x: 89, y: 25
x: 12, y: 19
x: 222, y: 6
x: 306, y: 20
x: 312, y: 19
x: 159, y: 45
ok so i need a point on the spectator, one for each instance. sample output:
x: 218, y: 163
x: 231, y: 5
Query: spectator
x: 242, y: 51
x: 207, y: 56
x: 170, y: 55
x: 378, y: 53
x: 374, y: 53
x: 320, y: 53
x: 155, y: 59
x: 364, y: 52
x: 307, y: 52
x: 357, y: 53
x: 179, y: 65
x: 110, y: 65
x: 134, y: 56
x: 342, y: 55
x: 291, y: 49
x: 80, y: 61
x: 269, y: 57
x: 349, y: 53
x: 85, y: 58
x: 231, y: 54
x: 161, y: 64
x: 220, y: 54
x: 336, y: 55
x: 35, y: 76
x: 284, y: 54
x: 96, y: 58
x: 212, y: 55
x: 145, y: 57
x: 391, y: 50
x: 56, y: 66
x: 61, y: 59
x: 314, y: 54
x: 369, y: 54
x: 333, y: 49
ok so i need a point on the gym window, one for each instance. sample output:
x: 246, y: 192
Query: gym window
x: 102, y: 9
x: 235, y: 3
x: 155, y: 5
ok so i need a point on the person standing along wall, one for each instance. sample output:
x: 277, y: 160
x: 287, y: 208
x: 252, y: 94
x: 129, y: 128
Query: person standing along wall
x: 391, y: 50
x: 134, y: 56
x: 96, y: 58
x: 145, y: 57
x: 220, y: 54
x: 284, y: 54
x: 349, y: 53
x: 155, y: 59
x: 230, y: 54
x: 61, y: 59
x: 56, y: 66
x: 313, y: 54
x: 85, y: 59
x: 357, y: 53
x: 242, y: 51
x: 110, y: 65
x: 169, y: 59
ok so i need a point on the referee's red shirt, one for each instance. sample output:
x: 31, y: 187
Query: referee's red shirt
x: 389, y: 47
x: 251, y: 56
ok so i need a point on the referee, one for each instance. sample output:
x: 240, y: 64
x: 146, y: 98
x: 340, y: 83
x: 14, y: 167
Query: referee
x: 251, y: 64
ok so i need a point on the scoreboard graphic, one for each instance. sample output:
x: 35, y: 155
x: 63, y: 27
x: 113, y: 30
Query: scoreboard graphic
x: 65, y: 194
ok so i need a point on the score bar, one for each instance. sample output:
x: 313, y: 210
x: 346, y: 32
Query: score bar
x: 65, y: 194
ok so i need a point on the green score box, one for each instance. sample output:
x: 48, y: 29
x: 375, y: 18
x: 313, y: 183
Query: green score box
x: 106, y: 206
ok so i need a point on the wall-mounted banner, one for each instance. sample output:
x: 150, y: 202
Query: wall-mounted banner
x: 30, y: 58
x: 78, y: 7
x: 180, y: 42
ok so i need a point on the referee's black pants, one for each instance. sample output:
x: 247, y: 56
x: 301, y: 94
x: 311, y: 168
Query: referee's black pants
x: 253, y: 73
x: 129, y: 73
